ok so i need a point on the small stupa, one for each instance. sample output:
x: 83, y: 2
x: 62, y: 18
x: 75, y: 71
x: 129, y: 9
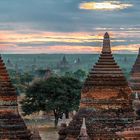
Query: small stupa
x: 83, y: 132
x: 62, y: 128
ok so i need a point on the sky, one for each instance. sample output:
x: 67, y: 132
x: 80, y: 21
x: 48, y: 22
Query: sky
x: 68, y: 26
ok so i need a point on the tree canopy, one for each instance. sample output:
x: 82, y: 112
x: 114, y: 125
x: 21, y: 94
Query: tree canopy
x: 56, y: 94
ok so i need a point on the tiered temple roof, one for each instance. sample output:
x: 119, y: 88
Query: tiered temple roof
x: 12, y: 126
x: 105, y: 100
x: 135, y: 75
x: 132, y: 131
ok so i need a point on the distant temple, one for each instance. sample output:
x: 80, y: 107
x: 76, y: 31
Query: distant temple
x: 63, y: 64
x: 125, y: 59
x: 105, y: 100
x: 77, y: 61
x: 9, y: 64
x: 48, y: 74
x: 12, y: 126
x: 135, y: 75
x: 17, y: 69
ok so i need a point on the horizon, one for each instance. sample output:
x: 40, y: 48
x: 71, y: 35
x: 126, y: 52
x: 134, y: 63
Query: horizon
x: 68, y: 26
x: 65, y: 53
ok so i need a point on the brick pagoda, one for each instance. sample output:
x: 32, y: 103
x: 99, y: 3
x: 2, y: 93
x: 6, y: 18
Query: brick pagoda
x: 105, y: 100
x: 12, y: 126
x: 132, y: 131
x: 135, y: 75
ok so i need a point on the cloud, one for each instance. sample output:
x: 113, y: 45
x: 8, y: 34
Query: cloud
x: 105, y: 5
x: 72, y: 42
x: 66, y: 49
x: 63, y: 15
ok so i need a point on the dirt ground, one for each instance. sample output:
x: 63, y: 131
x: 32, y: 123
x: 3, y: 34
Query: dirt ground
x: 49, y: 134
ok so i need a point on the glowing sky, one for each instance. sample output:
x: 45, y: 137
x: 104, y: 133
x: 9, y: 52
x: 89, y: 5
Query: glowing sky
x: 105, y: 5
x: 68, y: 26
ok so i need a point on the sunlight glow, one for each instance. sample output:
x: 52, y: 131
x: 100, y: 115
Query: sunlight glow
x: 106, y: 5
x: 61, y: 42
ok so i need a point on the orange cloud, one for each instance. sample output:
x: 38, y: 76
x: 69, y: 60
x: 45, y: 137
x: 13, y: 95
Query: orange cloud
x: 77, y: 37
x: 65, y: 49
x: 10, y: 42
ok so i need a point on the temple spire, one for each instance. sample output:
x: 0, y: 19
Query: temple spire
x: 83, y: 132
x: 106, y: 44
x: 84, y: 123
x: 105, y: 91
x: 136, y: 96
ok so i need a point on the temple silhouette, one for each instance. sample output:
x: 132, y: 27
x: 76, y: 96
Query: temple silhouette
x: 105, y: 102
x: 135, y: 75
x: 12, y: 126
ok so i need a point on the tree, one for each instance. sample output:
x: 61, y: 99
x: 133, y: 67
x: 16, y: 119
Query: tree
x: 69, y: 74
x: 56, y: 94
x: 41, y: 72
x: 26, y: 78
x: 80, y: 74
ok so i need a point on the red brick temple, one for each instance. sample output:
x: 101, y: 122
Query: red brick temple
x: 132, y: 131
x: 135, y: 75
x: 12, y: 126
x: 105, y: 100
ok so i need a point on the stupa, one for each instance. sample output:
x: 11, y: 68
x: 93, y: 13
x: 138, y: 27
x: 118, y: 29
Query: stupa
x: 77, y: 61
x: 48, y: 74
x: 63, y: 64
x: 12, y: 126
x: 9, y: 64
x: 83, y: 132
x: 135, y: 75
x: 105, y: 100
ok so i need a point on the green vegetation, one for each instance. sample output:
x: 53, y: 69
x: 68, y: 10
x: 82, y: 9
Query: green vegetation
x: 61, y: 92
x: 56, y: 94
x: 79, y: 74
x: 26, y: 78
